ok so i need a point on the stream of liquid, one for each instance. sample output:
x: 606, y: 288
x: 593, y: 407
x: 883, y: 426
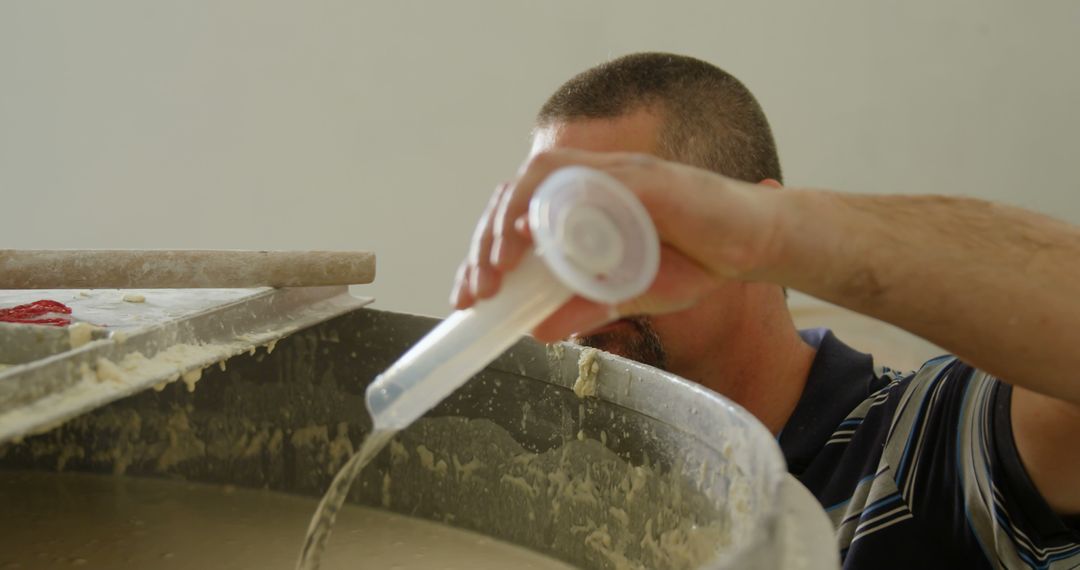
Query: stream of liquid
x: 323, y: 522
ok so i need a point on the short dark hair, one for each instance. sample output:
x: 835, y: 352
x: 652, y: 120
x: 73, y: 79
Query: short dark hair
x: 709, y: 118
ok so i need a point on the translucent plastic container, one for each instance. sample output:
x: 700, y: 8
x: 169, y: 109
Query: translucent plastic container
x: 592, y: 238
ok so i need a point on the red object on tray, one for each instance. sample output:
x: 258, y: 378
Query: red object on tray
x: 42, y: 312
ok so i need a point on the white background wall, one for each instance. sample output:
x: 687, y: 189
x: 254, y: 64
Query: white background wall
x: 384, y: 125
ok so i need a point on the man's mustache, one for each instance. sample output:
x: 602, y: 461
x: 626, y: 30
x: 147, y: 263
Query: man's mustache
x: 643, y: 344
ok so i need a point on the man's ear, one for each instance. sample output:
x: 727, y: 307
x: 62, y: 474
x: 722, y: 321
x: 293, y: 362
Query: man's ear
x: 771, y: 183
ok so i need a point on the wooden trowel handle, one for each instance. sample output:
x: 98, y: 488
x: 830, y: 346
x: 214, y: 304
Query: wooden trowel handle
x: 181, y: 269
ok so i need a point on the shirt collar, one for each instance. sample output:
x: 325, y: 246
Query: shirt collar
x: 839, y: 379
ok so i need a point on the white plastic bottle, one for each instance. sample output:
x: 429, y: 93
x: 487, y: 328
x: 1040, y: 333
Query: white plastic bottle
x: 592, y: 238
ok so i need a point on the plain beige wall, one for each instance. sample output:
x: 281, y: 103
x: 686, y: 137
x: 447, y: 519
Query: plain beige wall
x: 384, y: 126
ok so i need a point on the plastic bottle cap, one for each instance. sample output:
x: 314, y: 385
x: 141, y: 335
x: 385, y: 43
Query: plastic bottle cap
x: 589, y: 238
x: 594, y: 235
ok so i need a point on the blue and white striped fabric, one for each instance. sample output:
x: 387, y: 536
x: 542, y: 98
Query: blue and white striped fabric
x: 920, y: 470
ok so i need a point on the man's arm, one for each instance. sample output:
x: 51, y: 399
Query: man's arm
x: 997, y: 286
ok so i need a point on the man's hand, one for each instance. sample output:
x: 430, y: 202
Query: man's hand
x: 711, y: 228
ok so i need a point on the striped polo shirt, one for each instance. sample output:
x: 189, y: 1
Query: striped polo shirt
x: 920, y: 470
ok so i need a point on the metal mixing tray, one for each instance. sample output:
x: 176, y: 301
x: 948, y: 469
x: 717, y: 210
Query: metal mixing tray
x: 118, y: 348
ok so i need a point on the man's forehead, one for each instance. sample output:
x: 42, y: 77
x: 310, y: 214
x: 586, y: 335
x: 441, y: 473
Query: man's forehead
x: 633, y: 132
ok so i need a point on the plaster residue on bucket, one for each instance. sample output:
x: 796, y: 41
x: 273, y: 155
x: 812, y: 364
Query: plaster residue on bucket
x: 332, y: 452
x: 579, y: 497
x: 180, y: 361
x: 588, y: 373
x: 174, y: 363
x: 162, y: 439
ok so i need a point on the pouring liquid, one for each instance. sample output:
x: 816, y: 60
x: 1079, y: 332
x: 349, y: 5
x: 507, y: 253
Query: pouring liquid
x: 322, y: 523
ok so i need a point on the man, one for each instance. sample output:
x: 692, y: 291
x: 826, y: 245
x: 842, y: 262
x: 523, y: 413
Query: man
x: 971, y: 462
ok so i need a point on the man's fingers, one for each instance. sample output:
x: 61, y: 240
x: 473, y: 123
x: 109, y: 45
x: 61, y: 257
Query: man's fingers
x: 460, y: 298
x: 479, y: 280
x: 514, y: 204
x: 480, y: 247
x: 507, y: 252
x: 484, y: 281
x: 509, y: 244
x: 521, y: 226
x: 461, y: 295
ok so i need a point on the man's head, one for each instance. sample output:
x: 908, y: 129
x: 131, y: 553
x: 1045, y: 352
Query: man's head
x: 685, y: 110
x: 707, y: 118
